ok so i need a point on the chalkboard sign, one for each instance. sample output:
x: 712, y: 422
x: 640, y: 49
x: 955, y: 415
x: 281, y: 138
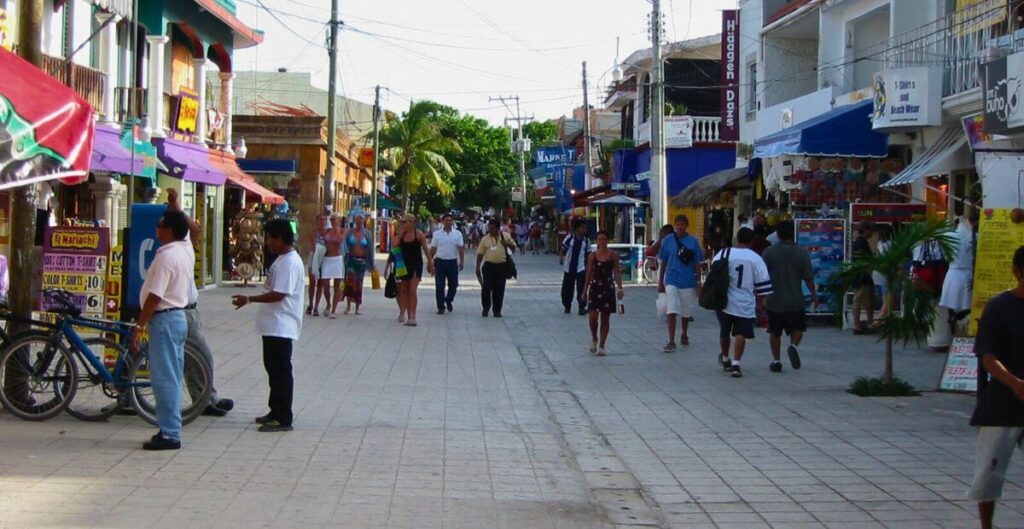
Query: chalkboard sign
x: 961, y: 371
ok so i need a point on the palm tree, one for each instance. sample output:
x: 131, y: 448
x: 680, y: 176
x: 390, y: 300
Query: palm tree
x: 413, y: 146
x: 917, y: 302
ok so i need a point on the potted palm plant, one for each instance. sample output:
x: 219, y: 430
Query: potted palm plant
x: 917, y: 313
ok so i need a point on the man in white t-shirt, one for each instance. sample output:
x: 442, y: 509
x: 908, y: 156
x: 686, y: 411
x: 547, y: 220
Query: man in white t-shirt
x: 279, y: 321
x: 448, y: 253
x: 749, y: 284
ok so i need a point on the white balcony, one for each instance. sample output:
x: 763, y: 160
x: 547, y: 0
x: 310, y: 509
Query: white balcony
x: 706, y: 129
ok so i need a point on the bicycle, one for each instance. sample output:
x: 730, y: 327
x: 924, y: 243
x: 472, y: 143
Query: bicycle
x: 42, y: 374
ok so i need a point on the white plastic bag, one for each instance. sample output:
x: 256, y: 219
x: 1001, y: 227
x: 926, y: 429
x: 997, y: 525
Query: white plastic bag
x: 661, y: 304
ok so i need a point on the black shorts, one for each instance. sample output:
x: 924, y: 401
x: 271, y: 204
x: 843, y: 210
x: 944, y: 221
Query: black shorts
x: 789, y: 322
x: 729, y: 325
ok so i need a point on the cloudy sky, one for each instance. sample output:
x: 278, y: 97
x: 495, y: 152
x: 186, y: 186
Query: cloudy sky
x: 461, y: 52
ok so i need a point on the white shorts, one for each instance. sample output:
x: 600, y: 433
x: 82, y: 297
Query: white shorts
x: 991, y: 457
x: 680, y: 301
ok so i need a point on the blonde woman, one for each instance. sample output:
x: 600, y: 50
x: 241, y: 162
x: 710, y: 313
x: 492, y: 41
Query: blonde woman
x: 413, y: 244
x: 332, y: 270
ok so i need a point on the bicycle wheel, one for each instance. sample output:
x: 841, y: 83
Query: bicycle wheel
x: 195, y: 387
x: 37, y: 378
x: 92, y: 401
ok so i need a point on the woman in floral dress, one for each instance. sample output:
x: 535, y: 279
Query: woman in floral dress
x: 600, y: 293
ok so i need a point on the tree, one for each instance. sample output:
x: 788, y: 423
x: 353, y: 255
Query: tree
x: 414, y: 147
x: 485, y: 166
x: 917, y: 302
x: 541, y: 133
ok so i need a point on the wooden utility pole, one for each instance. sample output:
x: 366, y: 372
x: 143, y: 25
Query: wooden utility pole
x: 376, y: 154
x: 23, y: 265
x: 332, y: 110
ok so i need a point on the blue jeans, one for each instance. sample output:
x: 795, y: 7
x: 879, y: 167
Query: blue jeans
x: 167, y: 333
x: 446, y: 271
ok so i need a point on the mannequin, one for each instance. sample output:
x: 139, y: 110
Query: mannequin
x: 959, y: 283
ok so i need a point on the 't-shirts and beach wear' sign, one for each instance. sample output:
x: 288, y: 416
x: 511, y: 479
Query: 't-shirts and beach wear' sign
x: 907, y: 98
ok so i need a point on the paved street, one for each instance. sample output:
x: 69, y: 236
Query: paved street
x: 466, y: 422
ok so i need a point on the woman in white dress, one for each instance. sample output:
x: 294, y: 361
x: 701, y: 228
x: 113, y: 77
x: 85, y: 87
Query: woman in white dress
x: 959, y: 283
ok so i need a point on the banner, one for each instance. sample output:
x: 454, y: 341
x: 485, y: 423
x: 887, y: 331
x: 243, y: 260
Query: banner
x: 678, y: 132
x: 75, y: 259
x: 998, y: 238
x: 729, y: 130
x: 46, y: 129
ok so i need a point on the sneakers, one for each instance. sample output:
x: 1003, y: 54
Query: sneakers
x: 274, y: 425
x: 263, y: 419
x: 448, y: 305
x: 725, y: 362
x: 213, y: 411
x: 601, y: 351
x: 159, y: 442
x: 669, y: 348
x: 440, y: 311
x: 794, y: 357
x: 775, y: 367
x: 736, y: 371
x: 593, y: 346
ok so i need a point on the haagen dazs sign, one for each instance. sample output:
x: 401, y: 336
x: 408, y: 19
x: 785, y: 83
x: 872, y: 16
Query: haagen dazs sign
x: 1004, y: 79
x: 729, y: 129
x: 907, y: 98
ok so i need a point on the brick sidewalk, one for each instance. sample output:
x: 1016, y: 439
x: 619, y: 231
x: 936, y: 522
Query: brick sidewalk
x: 478, y: 423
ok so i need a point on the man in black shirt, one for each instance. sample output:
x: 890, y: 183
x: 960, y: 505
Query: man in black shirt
x: 999, y: 414
x: 864, y: 288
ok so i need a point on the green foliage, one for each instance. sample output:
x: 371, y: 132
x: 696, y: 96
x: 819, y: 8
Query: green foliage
x: 485, y: 167
x: 541, y: 133
x: 415, y: 149
x: 918, y: 313
x: 880, y: 387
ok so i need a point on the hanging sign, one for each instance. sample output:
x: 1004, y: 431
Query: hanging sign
x: 188, y: 111
x: 1004, y: 78
x: 75, y: 259
x: 960, y: 373
x: 998, y: 238
x: 554, y: 155
x: 729, y: 129
x: 907, y: 98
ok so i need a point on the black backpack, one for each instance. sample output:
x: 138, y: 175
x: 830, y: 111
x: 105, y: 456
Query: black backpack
x: 715, y: 295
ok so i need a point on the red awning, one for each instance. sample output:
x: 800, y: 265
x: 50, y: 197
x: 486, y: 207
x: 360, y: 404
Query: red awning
x: 245, y: 37
x: 237, y: 177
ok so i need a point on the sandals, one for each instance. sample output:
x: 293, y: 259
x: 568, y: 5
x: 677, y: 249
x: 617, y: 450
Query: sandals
x: 410, y: 324
x: 333, y: 316
x: 309, y: 309
x: 316, y: 312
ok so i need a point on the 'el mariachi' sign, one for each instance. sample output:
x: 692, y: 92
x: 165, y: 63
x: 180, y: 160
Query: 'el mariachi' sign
x: 729, y: 130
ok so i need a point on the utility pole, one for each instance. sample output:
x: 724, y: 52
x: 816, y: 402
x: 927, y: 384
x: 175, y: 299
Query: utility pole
x: 659, y: 185
x: 24, y: 266
x: 376, y: 154
x: 520, y: 146
x: 332, y: 110
x: 587, y: 167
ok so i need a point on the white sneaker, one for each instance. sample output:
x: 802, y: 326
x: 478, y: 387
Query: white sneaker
x: 593, y: 346
x: 601, y: 351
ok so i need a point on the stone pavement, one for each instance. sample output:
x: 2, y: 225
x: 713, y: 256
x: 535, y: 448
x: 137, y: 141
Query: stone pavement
x: 480, y: 423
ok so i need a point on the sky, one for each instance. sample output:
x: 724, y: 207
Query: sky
x: 463, y: 52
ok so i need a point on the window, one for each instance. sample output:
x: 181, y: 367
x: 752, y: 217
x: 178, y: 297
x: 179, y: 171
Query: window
x: 751, y: 88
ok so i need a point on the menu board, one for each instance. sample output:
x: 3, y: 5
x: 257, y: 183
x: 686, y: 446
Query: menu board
x: 825, y: 241
x: 998, y: 238
x: 961, y: 370
x: 75, y: 259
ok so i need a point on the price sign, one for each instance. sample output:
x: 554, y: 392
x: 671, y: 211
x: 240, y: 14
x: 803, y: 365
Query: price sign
x: 75, y: 259
x: 998, y: 238
x: 961, y: 370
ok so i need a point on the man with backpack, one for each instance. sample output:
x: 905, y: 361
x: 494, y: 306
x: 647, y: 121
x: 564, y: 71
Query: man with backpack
x: 749, y: 284
x: 679, y: 279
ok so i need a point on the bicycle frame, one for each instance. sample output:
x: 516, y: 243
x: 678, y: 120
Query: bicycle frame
x: 66, y: 328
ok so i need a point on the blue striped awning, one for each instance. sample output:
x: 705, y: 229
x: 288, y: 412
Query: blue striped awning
x: 932, y: 161
x: 842, y: 131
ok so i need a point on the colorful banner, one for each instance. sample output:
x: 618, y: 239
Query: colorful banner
x: 46, y: 129
x: 729, y: 129
x: 825, y: 241
x: 960, y: 373
x: 998, y: 238
x: 75, y: 259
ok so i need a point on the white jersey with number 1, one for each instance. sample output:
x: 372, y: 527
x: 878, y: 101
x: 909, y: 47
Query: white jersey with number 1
x: 749, y: 278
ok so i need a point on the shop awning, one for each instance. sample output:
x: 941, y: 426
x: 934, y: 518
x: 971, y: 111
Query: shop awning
x: 110, y: 156
x: 842, y: 131
x: 618, y: 201
x: 703, y: 191
x: 189, y: 161
x: 237, y: 177
x: 934, y: 160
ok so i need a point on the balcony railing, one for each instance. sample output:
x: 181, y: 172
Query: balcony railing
x: 959, y: 43
x: 706, y: 129
x: 129, y: 103
x: 85, y: 81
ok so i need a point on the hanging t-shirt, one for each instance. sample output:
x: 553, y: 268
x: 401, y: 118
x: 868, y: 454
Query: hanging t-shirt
x: 748, y: 278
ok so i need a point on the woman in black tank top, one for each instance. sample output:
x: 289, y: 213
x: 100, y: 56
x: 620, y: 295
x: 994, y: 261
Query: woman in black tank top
x: 413, y: 244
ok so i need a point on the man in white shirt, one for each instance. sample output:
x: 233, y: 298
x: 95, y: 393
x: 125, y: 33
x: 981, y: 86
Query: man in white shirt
x: 164, y: 296
x: 279, y: 321
x: 448, y: 252
x: 749, y: 284
x: 573, y: 256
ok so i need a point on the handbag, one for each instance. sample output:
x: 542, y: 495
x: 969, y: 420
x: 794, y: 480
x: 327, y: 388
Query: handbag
x: 391, y: 287
x: 375, y: 279
x: 929, y: 271
x: 511, y: 271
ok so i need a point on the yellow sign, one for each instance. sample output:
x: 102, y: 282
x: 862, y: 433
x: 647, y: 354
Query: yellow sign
x: 5, y: 30
x: 998, y: 238
x: 973, y: 15
x: 77, y: 283
x: 188, y: 110
x: 113, y: 291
